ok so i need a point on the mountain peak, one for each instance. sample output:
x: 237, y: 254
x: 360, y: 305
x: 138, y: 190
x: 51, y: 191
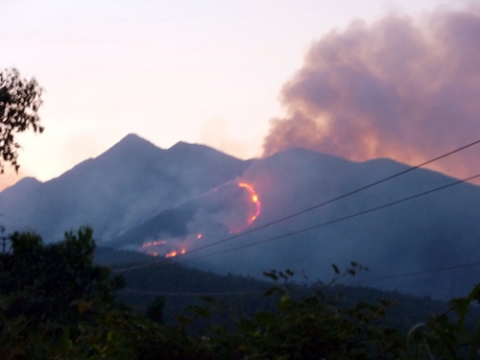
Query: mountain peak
x: 29, y: 181
x: 180, y: 145
x: 186, y: 148
x: 132, y: 139
x: 25, y: 184
x: 130, y: 144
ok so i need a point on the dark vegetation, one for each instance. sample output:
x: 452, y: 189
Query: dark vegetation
x: 56, y: 303
x: 20, y: 100
x: 182, y: 287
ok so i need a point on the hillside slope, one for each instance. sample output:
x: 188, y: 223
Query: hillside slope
x: 427, y: 233
x: 191, y: 196
x: 130, y: 182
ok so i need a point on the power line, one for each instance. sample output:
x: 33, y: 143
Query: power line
x: 339, y: 219
x: 375, y: 183
x: 166, y: 293
x: 415, y: 273
x: 253, y: 292
x: 311, y: 227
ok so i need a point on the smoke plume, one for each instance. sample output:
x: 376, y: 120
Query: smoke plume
x: 401, y: 88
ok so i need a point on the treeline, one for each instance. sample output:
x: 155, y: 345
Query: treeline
x: 182, y: 286
x: 55, y: 303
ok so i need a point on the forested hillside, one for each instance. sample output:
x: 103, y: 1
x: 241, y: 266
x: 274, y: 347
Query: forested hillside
x: 183, y: 286
x: 55, y: 303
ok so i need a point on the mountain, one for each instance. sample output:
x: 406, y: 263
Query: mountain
x: 434, y: 231
x: 431, y: 232
x: 130, y: 182
x: 164, y: 202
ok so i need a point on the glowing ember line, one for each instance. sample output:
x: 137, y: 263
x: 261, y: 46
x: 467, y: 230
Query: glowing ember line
x: 154, y: 243
x: 156, y: 252
x: 255, y: 200
x: 172, y: 253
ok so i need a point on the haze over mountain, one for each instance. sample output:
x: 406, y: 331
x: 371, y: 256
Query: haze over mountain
x: 189, y: 196
x: 127, y: 184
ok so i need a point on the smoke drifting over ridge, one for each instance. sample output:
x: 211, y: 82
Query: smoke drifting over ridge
x: 398, y: 88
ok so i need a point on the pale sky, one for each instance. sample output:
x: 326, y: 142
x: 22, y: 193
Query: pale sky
x: 205, y: 72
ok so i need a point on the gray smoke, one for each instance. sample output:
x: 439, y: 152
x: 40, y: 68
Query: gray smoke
x: 401, y: 88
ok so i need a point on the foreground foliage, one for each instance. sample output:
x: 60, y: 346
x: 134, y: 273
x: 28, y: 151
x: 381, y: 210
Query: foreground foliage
x: 20, y: 100
x: 55, y: 304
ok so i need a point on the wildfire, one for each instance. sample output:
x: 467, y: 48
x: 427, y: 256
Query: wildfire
x: 255, y: 200
x: 154, y: 243
x: 250, y: 201
x: 172, y: 253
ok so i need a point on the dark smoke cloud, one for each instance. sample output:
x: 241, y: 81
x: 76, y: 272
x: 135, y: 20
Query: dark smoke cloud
x: 398, y: 88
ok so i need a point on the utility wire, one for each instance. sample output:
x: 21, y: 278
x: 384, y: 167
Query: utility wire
x: 375, y: 183
x: 166, y: 293
x: 338, y: 219
x: 313, y: 207
x: 415, y: 273
x: 252, y: 292
x: 310, y: 227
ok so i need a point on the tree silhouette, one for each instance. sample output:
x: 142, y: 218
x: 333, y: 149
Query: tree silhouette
x: 43, y: 281
x: 20, y: 100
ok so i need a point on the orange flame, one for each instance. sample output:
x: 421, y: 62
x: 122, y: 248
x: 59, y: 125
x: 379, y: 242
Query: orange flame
x: 156, y: 252
x: 172, y: 253
x: 154, y: 243
x: 255, y: 200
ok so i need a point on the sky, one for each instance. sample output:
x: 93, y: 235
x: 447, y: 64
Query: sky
x: 210, y: 72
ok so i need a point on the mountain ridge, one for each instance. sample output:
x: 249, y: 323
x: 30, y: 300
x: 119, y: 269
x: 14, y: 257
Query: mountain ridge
x: 190, y: 195
x: 123, y: 183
